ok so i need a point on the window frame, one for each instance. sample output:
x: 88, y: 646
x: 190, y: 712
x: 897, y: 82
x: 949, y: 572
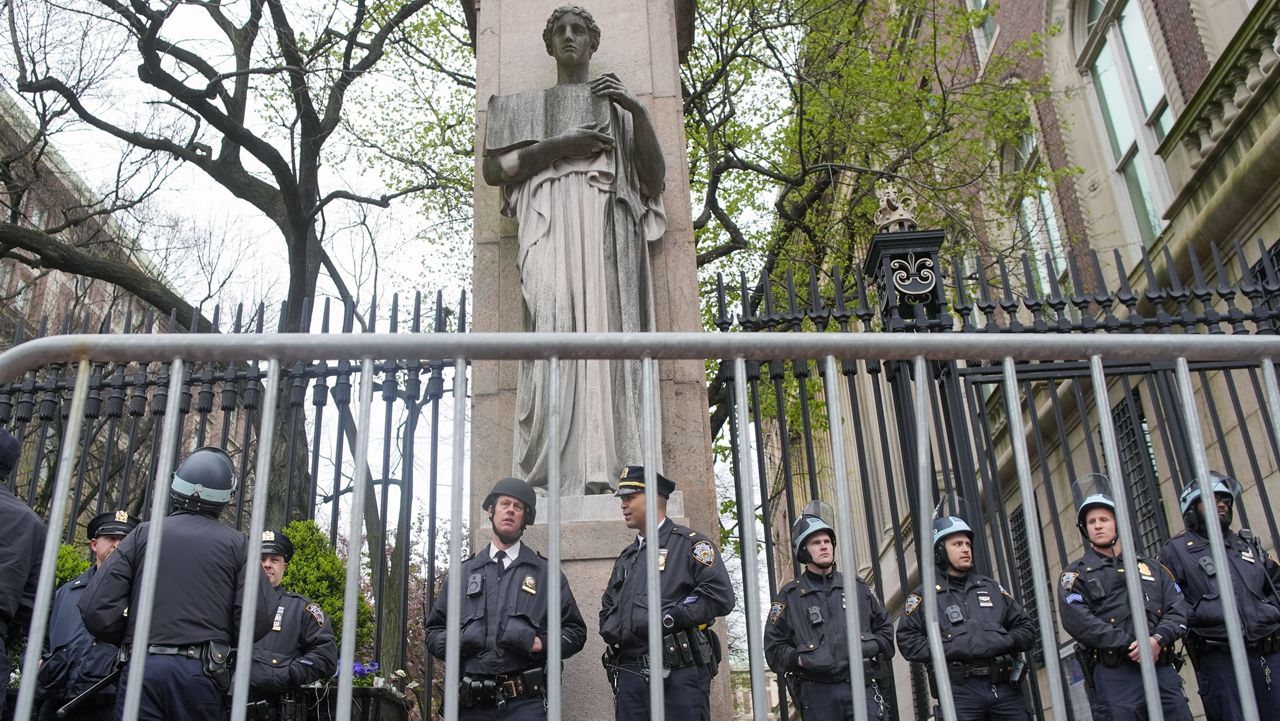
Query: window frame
x: 1140, y: 154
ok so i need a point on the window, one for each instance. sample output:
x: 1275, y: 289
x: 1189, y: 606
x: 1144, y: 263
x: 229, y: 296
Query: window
x: 1263, y: 277
x: 984, y: 35
x: 1134, y: 109
x: 1022, y: 560
x: 1138, y: 461
x: 1037, y: 230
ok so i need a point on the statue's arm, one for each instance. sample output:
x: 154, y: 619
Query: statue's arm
x: 649, y: 163
x: 518, y: 165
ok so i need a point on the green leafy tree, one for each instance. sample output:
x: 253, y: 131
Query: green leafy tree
x: 318, y: 573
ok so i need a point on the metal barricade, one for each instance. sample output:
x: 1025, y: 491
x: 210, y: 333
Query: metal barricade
x: 739, y: 348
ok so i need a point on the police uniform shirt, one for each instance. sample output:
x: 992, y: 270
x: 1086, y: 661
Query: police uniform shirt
x: 198, y: 597
x: 979, y: 621
x: 299, y: 649
x: 1190, y: 560
x: 1094, y: 602
x: 807, y: 621
x: 693, y: 580
x: 503, y: 610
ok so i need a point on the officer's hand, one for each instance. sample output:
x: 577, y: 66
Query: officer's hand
x: 537, y: 645
x: 1135, y: 653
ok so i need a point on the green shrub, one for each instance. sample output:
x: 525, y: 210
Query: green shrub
x: 72, y: 561
x: 318, y: 573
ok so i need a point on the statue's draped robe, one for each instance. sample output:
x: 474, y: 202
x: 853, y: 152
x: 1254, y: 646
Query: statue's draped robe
x: 584, y: 230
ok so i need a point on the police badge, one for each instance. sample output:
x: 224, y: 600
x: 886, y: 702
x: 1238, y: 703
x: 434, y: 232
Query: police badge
x: 775, y: 611
x: 913, y: 602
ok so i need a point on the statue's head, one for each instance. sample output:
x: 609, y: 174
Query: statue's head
x: 593, y: 30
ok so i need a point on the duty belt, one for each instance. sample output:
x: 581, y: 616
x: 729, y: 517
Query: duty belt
x: 485, y: 690
x: 188, y: 651
x: 679, y: 650
x: 993, y: 669
x: 1199, y: 645
x: 1113, y: 657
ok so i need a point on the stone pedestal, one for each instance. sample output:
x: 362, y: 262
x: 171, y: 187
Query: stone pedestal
x: 592, y: 535
x: 639, y: 44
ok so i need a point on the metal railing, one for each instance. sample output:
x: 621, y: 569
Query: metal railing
x: 279, y: 350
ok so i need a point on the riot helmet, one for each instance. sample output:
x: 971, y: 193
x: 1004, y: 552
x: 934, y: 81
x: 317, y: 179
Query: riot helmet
x: 519, y: 490
x: 1090, y: 491
x: 948, y: 520
x: 1222, y: 485
x: 811, y: 521
x: 205, y: 482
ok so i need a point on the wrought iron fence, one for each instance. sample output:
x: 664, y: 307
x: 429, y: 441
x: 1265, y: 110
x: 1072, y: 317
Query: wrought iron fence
x: 906, y: 287
x: 833, y: 350
x: 222, y: 404
x: 1038, y: 386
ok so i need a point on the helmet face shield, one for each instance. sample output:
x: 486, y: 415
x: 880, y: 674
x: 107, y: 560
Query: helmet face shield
x: 1220, y: 483
x: 1091, y: 491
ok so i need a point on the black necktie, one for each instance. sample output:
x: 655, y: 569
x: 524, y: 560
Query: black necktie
x: 500, y: 558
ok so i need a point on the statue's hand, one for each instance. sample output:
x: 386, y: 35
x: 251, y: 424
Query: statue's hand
x: 610, y: 86
x: 584, y: 141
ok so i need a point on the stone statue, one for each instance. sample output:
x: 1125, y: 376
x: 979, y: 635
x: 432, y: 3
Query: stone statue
x: 582, y: 172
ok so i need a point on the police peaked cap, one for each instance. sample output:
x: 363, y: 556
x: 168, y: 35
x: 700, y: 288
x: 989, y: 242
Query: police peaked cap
x: 632, y: 481
x: 112, y: 523
x: 275, y: 542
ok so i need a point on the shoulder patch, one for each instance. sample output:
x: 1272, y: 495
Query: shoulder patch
x: 1006, y: 593
x: 1069, y: 580
x: 775, y: 611
x: 913, y: 602
x: 704, y: 553
x: 316, y: 612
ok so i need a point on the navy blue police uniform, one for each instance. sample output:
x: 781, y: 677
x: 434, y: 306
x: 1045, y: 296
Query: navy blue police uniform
x: 805, y: 639
x: 504, y: 607
x: 983, y: 628
x: 197, y: 609
x: 20, y: 557
x: 300, y: 647
x: 1254, y: 576
x: 1094, y: 604
x: 73, y: 662
x: 695, y: 590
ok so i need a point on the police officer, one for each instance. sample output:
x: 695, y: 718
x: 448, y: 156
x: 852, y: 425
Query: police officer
x: 806, y: 640
x: 73, y: 662
x: 504, y: 616
x: 1254, y: 576
x: 1094, y: 603
x: 695, y: 591
x: 982, y: 627
x: 196, y: 615
x: 20, y: 556
x: 300, y: 647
